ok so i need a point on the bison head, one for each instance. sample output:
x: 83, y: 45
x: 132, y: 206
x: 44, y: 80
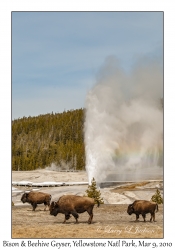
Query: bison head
x: 24, y: 197
x: 130, y: 209
x: 54, y: 208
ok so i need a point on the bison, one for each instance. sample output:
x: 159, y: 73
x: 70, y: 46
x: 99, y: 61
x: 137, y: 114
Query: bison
x: 143, y: 207
x: 35, y: 198
x: 73, y: 204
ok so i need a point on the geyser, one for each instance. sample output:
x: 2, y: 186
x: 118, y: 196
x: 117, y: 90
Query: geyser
x: 124, y: 123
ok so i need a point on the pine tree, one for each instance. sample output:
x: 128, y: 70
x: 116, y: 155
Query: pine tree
x: 51, y: 138
x: 92, y: 192
x: 157, y: 197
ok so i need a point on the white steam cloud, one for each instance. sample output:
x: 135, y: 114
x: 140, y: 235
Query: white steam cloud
x: 124, y: 123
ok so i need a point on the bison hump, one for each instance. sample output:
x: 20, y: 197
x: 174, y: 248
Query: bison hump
x: 74, y: 200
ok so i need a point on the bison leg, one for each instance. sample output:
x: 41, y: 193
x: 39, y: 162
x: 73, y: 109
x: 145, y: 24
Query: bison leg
x: 137, y: 217
x: 144, y: 216
x: 46, y: 204
x: 90, y: 218
x: 74, y: 213
x: 64, y: 219
x: 67, y: 216
x: 34, y: 205
x: 90, y: 212
x: 152, y: 217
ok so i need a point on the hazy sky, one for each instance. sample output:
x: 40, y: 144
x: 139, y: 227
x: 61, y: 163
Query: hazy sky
x: 56, y: 56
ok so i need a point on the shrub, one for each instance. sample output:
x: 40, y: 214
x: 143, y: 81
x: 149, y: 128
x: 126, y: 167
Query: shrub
x: 157, y: 197
x: 93, y: 192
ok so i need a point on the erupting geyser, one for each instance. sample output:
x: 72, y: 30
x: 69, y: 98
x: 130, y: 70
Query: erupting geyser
x: 124, y: 123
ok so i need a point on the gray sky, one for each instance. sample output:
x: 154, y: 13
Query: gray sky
x: 56, y: 56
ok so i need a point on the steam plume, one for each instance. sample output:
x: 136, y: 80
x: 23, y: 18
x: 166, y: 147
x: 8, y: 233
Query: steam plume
x: 124, y: 123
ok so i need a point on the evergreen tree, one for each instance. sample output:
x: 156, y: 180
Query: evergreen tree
x: 157, y: 197
x: 92, y: 192
x: 39, y: 141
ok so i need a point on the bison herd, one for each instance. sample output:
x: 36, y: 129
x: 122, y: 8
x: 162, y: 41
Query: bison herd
x: 73, y: 205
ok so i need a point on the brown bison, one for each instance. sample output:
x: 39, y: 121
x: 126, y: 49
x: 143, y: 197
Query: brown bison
x: 143, y: 207
x: 72, y: 204
x: 35, y: 198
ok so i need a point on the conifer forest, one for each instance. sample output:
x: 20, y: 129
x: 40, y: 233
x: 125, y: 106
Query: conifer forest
x: 49, y: 140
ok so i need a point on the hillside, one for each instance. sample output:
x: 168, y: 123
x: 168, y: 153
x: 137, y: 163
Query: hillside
x: 55, y: 140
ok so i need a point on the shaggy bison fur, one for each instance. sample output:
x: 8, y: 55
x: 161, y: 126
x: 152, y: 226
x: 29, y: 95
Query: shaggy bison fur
x: 72, y: 204
x: 143, y: 207
x: 35, y: 198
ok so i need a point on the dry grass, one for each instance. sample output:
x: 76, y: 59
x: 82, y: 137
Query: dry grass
x: 110, y: 221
